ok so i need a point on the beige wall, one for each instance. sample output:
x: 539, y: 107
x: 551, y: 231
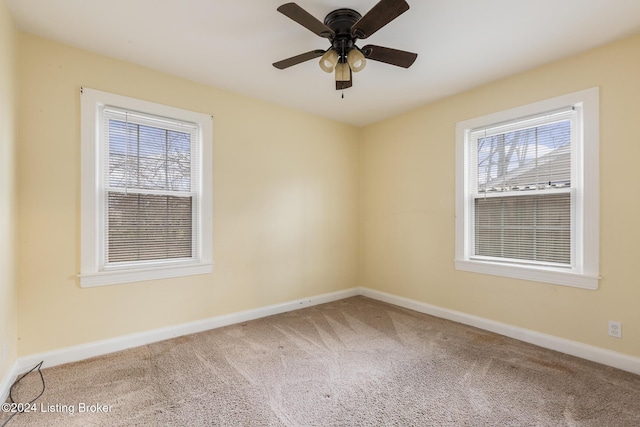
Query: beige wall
x: 285, y: 204
x: 8, y: 289
x: 304, y: 206
x: 407, y: 220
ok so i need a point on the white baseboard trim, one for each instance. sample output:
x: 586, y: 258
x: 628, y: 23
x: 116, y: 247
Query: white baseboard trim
x: 99, y: 348
x: 7, y: 381
x: 574, y: 348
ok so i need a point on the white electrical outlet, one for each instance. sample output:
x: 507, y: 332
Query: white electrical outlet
x: 615, y: 329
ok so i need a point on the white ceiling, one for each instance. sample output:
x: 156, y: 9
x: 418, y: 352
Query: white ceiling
x: 231, y: 44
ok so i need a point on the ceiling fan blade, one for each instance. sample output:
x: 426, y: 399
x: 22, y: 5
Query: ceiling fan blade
x: 379, y: 16
x: 295, y: 60
x: 396, y: 57
x: 305, y: 19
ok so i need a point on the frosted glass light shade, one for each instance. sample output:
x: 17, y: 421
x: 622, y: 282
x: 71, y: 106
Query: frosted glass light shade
x: 343, y: 73
x: 356, y: 60
x: 328, y: 61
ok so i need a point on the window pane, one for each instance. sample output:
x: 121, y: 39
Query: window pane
x: 525, y: 227
x: 145, y: 227
x: 147, y: 157
x: 525, y: 159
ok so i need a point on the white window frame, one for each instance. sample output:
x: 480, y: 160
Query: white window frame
x: 584, y: 271
x: 92, y: 270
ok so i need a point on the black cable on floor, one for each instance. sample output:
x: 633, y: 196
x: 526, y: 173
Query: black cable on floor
x: 38, y: 366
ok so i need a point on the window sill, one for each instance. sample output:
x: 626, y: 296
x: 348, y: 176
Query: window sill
x: 138, y: 275
x: 537, y: 274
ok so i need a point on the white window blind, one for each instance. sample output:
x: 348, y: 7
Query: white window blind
x: 151, y: 188
x: 524, y: 228
x: 521, y: 186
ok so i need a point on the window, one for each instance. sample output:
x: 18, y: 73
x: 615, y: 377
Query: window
x: 527, y: 192
x: 146, y: 190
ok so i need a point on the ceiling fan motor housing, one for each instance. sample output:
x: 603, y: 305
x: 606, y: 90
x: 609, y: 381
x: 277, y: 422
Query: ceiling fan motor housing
x: 341, y: 21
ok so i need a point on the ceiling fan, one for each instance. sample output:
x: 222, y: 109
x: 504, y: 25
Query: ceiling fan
x: 343, y: 28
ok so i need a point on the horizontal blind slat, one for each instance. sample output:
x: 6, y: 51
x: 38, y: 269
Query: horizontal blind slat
x: 530, y: 228
x: 148, y: 227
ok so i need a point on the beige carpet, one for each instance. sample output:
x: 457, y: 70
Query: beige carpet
x: 354, y: 362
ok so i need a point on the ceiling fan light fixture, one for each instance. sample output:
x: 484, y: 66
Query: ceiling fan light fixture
x: 343, y: 73
x: 343, y: 28
x: 356, y: 60
x: 329, y: 60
